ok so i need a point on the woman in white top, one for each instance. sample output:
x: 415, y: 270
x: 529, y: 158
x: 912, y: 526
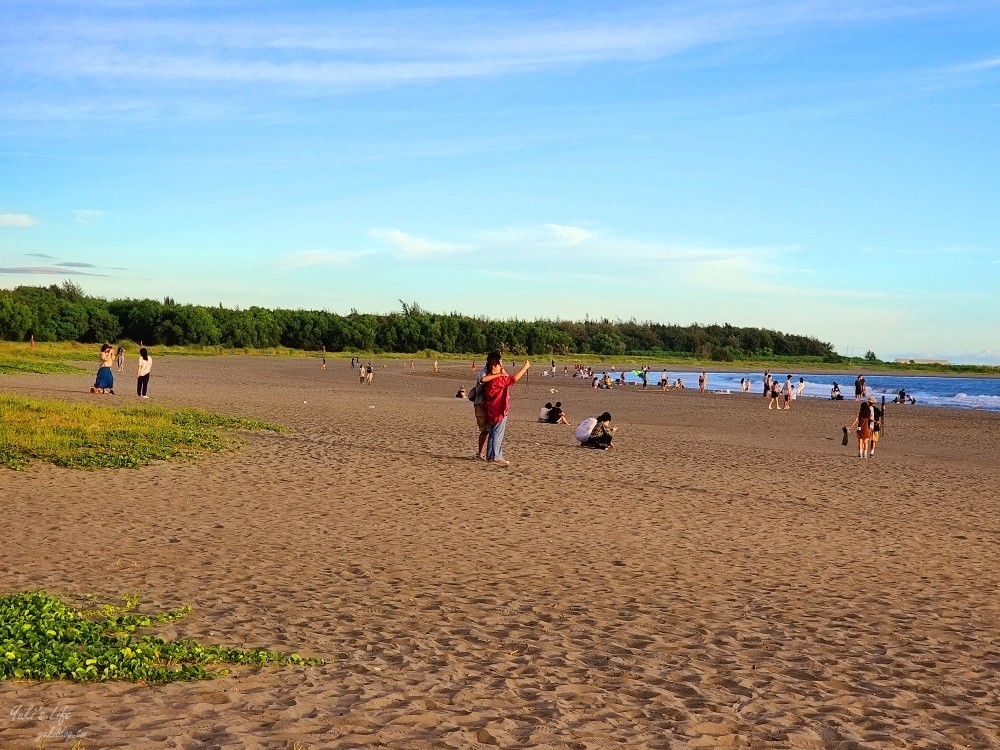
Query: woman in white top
x: 142, y: 373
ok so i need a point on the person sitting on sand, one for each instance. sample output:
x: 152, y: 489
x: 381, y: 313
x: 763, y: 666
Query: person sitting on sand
x: 602, y: 434
x: 461, y: 393
x: 835, y: 394
x: 543, y: 413
x: 556, y: 415
x: 679, y: 384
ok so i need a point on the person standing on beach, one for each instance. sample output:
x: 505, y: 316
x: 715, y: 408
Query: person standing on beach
x: 702, y: 382
x: 142, y: 373
x: 802, y: 386
x: 497, y: 385
x: 787, y: 391
x: 859, y: 387
x: 864, y: 423
x: 767, y: 383
x: 479, y: 403
x: 876, y: 428
x: 120, y: 359
x: 775, y: 392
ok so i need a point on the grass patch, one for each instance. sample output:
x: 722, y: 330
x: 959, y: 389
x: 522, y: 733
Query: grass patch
x: 44, y: 358
x: 41, y: 638
x: 12, y: 366
x: 86, y: 436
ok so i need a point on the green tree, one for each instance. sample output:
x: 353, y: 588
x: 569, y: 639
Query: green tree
x: 182, y: 325
x: 607, y: 344
x: 16, y: 318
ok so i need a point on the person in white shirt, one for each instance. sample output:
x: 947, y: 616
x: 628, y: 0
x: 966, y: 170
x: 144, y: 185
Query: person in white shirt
x: 142, y: 373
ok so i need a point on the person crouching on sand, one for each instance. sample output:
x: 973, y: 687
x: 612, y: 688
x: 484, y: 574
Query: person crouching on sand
x: 602, y: 434
x: 497, y: 384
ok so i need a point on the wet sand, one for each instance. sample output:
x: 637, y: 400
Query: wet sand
x: 727, y: 576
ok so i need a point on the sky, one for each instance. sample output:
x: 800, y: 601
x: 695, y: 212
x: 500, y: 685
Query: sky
x: 822, y: 168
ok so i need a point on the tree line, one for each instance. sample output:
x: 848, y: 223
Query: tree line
x: 65, y: 313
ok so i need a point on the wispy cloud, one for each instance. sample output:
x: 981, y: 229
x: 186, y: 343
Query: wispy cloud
x: 307, y: 258
x: 70, y: 264
x: 44, y: 256
x: 87, y: 215
x: 408, y: 246
x: 388, y: 47
x: 16, y: 220
x: 989, y: 64
x: 45, y: 271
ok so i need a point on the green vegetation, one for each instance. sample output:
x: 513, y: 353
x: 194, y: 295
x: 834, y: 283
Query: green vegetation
x: 88, y: 436
x: 22, y: 358
x: 65, y: 313
x: 41, y: 638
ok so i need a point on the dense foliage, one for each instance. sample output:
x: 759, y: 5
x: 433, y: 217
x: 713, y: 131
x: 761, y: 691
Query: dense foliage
x: 41, y: 638
x: 64, y: 313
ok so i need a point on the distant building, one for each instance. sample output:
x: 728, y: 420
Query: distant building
x: 905, y: 361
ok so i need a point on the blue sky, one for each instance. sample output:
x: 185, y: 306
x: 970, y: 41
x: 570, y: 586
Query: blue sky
x: 830, y: 169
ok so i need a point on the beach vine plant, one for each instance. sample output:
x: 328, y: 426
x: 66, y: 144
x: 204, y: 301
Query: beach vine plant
x: 90, y: 436
x: 42, y: 638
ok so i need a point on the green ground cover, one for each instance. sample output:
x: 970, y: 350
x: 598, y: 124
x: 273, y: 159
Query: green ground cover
x: 41, y: 638
x: 87, y: 436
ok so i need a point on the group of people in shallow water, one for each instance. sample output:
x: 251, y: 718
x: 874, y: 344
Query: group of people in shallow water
x: 105, y: 380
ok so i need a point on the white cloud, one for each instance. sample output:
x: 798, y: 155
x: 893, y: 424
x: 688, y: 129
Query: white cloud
x: 568, y: 235
x: 408, y: 246
x: 306, y: 258
x: 87, y: 215
x: 16, y: 220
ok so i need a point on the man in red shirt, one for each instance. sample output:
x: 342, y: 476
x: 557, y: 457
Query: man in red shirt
x: 497, y: 384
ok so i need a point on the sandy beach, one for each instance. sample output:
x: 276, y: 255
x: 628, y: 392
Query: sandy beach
x: 727, y: 576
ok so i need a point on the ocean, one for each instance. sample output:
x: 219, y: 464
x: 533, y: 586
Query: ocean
x: 928, y: 390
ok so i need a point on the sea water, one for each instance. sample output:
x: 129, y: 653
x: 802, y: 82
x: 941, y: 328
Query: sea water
x: 928, y: 390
